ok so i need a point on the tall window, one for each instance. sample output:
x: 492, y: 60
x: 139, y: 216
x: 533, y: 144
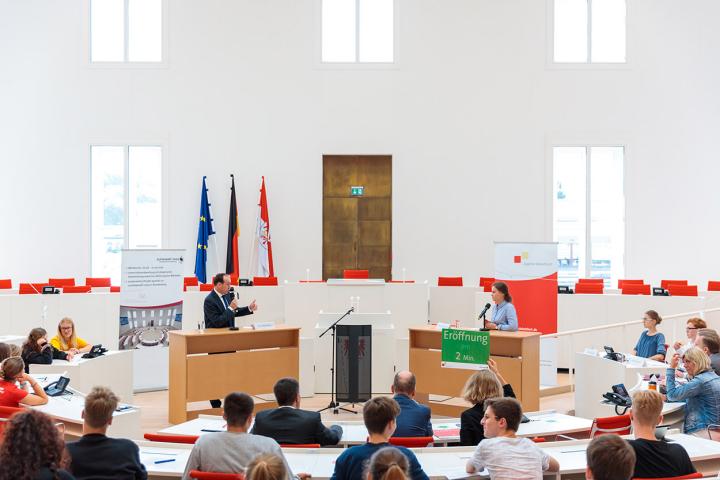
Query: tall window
x: 126, y: 204
x: 589, y: 31
x: 589, y: 212
x: 126, y: 30
x: 355, y: 31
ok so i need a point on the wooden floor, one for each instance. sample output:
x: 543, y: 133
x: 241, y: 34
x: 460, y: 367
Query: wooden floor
x: 154, y: 408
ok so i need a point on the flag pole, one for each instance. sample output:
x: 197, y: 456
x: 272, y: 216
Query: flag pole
x: 213, y: 238
x: 254, y: 244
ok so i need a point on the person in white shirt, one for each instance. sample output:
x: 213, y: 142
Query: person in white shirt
x: 502, y: 453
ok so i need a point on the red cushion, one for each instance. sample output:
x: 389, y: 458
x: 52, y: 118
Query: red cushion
x: 682, y: 290
x: 356, y: 274
x: 77, y: 289
x: 5, y: 283
x: 31, y: 288
x: 664, y: 283
x: 62, y: 282
x: 713, y: 286
x: 190, y: 281
x: 589, y: 288
x: 629, y: 282
x: 634, y: 289
x: 98, y: 282
x: 450, y: 281
x: 265, y: 281
x: 591, y: 280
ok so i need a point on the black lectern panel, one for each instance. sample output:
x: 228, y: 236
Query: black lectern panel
x: 353, y: 378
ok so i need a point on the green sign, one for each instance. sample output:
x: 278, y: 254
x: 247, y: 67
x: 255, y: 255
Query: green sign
x: 357, y: 191
x: 465, y: 348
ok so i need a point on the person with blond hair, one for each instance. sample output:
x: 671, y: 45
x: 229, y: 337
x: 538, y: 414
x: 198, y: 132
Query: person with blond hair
x: 98, y: 456
x: 266, y: 467
x: 481, y: 385
x: 67, y: 340
x: 701, y: 393
x: 388, y: 464
x: 654, y: 458
x: 5, y: 351
x: 12, y: 373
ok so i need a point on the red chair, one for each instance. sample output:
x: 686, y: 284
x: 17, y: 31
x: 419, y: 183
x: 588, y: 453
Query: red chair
x: 486, y: 283
x: 635, y: 289
x: 621, y: 283
x: 619, y: 425
x: 7, y: 412
x: 265, y: 281
x: 300, y: 445
x: 683, y: 290
x: 664, y: 283
x: 450, y: 282
x: 356, y: 274
x: 206, y: 287
x: 61, y: 282
x: 31, y: 288
x: 591, y: 280
x: 5, y: 284
x: 189, y: 282
x: 169, y: 438
x: 684, y: 477
x: 98, y: 282
x: 539, y: 439
x: 411, y: 442
x: 77, y: 289
x: 589, y: 287
x: 713, y: 286
x: 114, y: 289
x: 216, y: 475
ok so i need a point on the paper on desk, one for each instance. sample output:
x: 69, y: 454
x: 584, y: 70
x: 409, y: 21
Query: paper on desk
x: 453, y: 472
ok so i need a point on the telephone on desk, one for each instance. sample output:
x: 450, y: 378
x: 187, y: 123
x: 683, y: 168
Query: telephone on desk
x: 613, y: 355
x: 618, y: 397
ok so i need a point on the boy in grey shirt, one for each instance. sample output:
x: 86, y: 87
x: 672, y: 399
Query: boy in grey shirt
x: 232, y: 451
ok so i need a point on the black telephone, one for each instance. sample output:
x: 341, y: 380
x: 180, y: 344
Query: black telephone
x: 612, y: 354
x: 95, y: 351
x: 57, y: 388
x: 619, y: 396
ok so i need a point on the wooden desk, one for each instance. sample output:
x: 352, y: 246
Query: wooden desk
x: 244, y: 360
x: 517, y: 355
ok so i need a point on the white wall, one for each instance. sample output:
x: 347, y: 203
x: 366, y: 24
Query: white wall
x: 467, y: 114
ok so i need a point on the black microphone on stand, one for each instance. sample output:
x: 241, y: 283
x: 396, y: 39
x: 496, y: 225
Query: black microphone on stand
x: 482, y: 315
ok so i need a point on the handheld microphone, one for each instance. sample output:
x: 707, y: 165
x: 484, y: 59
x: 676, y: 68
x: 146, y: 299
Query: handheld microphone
x: 484, y: 311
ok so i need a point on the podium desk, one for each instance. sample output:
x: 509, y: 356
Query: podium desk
x: 517, y: 355
x: 210, y: 363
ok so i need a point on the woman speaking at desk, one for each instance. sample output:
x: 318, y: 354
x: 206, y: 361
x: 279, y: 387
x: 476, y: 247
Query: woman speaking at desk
x: 504, y: 316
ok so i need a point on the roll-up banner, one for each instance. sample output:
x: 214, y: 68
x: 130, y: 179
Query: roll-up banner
x: 150, y: 306
x: 530, y: 271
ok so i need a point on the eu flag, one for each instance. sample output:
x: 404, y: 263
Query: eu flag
x: 204, y: 231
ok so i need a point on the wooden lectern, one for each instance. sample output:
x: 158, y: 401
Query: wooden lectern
x: 517, y: 355
x: 249, y: 361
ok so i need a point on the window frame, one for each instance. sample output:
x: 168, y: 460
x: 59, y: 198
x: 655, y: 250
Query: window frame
x: 551, y: 64
x: 587, y: 143
x: 131, y: 64
x: 164, y: 210
x: 356, y: 65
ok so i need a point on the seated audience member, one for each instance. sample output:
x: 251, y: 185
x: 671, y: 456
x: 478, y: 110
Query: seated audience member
x: 701, y: 393
x: 708, y: 341
x: 609, y: 457
x: 266, y: 467
x: 5, y: 351
x: 504, y: 454
x: 654, y: 458
x: 232, y: 451
x: 287, y: 424
x: 379, y: 414
x: 15, y: 350
x: 691, y: 330
x: 651, y: 343
x: 36, y: 349
x: 414, y: 418
x: 388, y: 464
x: 97, y: 456
x: 67, y: 341
x: 32, y: 449
x: 481, y: 385
x: 12, y: 371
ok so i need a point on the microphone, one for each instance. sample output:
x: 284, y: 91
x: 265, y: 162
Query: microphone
x: 484, y: 310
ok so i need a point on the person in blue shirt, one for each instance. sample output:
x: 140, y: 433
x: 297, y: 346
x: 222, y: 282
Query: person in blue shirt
x: 379, y: 414
x: 504, y: 316
x: 651, y: 343
x: 414, y: 418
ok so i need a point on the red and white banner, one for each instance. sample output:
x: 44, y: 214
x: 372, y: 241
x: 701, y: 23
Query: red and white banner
x: 530, y: 272
x: 262, y: 237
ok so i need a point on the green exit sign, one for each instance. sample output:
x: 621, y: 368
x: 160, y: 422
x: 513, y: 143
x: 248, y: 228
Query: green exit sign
x: 357, y: 191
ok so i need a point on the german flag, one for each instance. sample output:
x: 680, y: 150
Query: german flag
x: 232, y: 265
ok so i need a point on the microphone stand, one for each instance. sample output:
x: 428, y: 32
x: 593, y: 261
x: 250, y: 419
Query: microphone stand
x: 335, y: 406
x: 483, y: 328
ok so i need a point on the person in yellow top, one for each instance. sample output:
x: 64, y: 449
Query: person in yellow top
x: 67, y: 341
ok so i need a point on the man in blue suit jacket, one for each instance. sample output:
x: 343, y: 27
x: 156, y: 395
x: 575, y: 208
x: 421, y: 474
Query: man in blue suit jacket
x: 414, y: 418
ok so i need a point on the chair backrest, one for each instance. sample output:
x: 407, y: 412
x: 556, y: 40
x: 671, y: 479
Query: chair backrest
x: 601, y: 281
x: 664, y: 283
x: 215, y: 475
x: 114, y: 289
x: 7, y: 412
x: 356, y: 273
x: 61, y: 282
x: 265, y: 281
x: 589, y: 287
x: 5, y: 283
x: 683, y: 477
x: 300, y: 445
x: 486, y: 283
x: 31, y: 288
x: 450, y: 282
x: 619, y: 424
x: 98, y: 281
x: 713, y: 286
x: 621, y: 283
x: 635, y: 289
x: 190, y: 281
x: 206, y: 287
x: 682, y: 290
x: 170, y: 438
x: 411, y: 442
x: 77, y: 289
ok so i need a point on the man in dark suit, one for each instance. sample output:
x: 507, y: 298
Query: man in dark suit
x: 220, y: 308
x: 414, y: 418
x: 287, y: 424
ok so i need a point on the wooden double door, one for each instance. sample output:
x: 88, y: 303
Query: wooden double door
x: 357, y: 230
